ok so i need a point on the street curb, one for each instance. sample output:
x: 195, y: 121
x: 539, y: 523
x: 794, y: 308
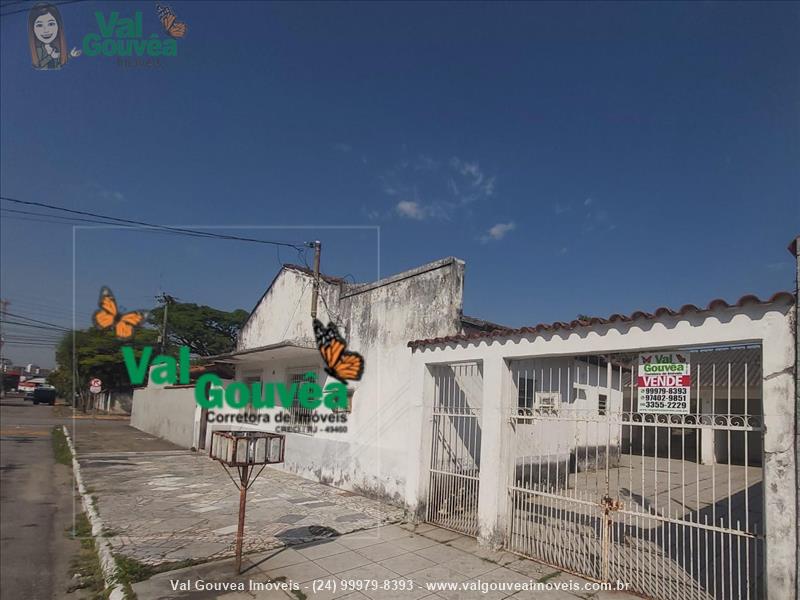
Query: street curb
x: 107, y: 562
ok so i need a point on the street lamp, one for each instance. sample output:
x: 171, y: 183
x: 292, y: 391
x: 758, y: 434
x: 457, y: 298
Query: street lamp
x: 245, y: 450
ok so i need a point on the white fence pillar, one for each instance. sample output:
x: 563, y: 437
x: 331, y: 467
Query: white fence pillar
x: 495, y: 446
x: 780, y: 486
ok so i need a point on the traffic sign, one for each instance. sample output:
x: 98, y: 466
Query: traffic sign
x: 95, y: 385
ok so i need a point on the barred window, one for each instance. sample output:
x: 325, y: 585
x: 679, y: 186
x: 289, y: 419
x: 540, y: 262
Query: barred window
x: 300, y: 414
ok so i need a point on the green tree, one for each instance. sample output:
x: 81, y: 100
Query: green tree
x: 205, y: 330
x: 88, y: 353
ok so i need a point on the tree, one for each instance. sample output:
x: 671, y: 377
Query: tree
x: 205, y: 330
x: 96, y: 354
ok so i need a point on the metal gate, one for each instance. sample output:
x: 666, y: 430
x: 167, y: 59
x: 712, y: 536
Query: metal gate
x: 455, y: 447
x: 669, y: 504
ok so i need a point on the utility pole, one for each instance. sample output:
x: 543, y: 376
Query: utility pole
x: 315, y: 290
x: 3, y: 305
x: 166, y: 300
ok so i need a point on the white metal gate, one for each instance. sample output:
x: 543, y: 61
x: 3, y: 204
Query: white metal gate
x: 670, y: 504
x: 455, y: 447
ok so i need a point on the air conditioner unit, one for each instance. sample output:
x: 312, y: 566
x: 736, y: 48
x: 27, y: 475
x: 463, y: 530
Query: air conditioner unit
x: 550, y: 400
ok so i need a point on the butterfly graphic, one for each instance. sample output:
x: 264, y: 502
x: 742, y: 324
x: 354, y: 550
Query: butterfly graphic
x: 109, y: 316
x: 340, y: 363
x: 172, y: 26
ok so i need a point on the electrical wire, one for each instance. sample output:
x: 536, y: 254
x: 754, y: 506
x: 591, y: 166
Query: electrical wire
x: 6, y: 313
x: 178, y: 230
x: 5, y: 322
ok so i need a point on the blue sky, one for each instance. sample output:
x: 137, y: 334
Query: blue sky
x: 581, y: 158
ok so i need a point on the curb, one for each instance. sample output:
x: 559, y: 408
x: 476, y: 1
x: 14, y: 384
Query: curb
x: 107, y: 562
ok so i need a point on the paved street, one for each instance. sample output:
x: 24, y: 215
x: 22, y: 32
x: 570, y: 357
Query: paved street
x: 36, y: 504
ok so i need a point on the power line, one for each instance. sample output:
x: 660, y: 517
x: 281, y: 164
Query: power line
x: 35, y: 326
x: 33, y: 320
x: 178, y: 230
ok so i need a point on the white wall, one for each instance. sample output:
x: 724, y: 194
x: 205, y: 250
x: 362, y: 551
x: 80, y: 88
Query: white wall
x: 771, y: 325
x: 375, y: 456
x: 166, y: 412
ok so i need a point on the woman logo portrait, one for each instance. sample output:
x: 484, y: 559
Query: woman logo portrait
x: 46, y: 37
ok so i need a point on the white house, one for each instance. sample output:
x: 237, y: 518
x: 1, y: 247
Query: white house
x: 534, y: 438
x: 375, y: 453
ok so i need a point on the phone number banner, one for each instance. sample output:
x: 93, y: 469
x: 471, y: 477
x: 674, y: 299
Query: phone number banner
x: 665, y: 383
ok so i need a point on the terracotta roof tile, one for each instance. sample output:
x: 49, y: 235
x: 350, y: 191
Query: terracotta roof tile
x: 662, y: 311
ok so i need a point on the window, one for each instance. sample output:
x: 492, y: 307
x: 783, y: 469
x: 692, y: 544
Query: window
x: 580, y: 392
x: 602, y: 404
x: 300, y: 414
x: 524, y: 394
x: 249, y: 380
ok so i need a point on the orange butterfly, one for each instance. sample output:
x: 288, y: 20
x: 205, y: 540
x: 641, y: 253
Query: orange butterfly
x: 340, y: 363
x: 108, y: 316
x: 172, y: 26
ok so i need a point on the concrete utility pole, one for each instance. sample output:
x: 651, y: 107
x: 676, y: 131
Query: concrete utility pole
x: 794, y: 249
x: 166, y: 300
x: 315, y: 290
x: 3, y: 305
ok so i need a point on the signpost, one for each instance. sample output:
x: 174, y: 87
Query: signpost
x: 95, y: 386
x: 665, y: 382
x: 245, y: 450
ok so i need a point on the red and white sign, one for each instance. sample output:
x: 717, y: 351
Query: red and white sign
x: 665, y: 383
x: 95, y: 385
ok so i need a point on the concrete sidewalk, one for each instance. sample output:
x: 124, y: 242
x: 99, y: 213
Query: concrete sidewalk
x: 161, y: 505
x: 395, y: 562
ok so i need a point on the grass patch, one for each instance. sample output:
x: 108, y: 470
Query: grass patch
x: 130, y: 571
x: 61, y: 448
x: 87, y: 563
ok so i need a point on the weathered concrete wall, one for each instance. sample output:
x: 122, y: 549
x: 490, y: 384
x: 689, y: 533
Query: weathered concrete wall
x: 283, y: 313
x: 375, y: 455
x: 166, y: 412
x: 771, y: 325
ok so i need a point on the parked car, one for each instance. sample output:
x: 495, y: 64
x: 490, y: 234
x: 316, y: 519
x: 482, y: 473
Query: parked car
x: 29, y: 396
x: 44, y: 395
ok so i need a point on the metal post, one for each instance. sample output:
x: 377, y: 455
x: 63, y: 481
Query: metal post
x: 3, y: 305
x: 164, y: 328
x: 243, y: 478
x: 315, y: 289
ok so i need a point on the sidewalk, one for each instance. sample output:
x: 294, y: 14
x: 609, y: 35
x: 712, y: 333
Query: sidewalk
x: 403, y: 562
x: 162, y: 505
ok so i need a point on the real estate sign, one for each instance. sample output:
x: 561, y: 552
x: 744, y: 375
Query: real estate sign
x: 665, y: 382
